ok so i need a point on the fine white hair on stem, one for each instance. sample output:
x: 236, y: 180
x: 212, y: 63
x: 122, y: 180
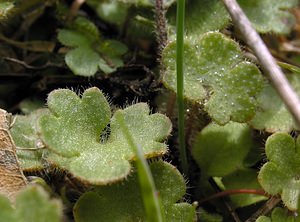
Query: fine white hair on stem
x: 265, y: 58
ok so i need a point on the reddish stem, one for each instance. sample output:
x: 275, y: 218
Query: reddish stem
x: 234, y: 192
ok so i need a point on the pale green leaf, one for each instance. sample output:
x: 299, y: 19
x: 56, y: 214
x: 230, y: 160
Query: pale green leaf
x: 270, y: 15
x: 221, y: 150
x: 216, y: 76
x: 83, y: 61
x: 32, y: 204
x: 280, y: 175
x: 72, y: 38
x: 74, y: 128
x: 272, y: 115
x: 202, y: 16
x: 126, y: 199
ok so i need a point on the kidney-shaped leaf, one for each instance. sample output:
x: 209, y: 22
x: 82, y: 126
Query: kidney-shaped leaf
x: 74, y: 127
x: 210, y: 15
x: 216, y: 75
x: 270, y: 15
x: 203, y: 16
x: 220, y: 150
x: 280, y: 175
x: 32, y: 204
x: 272, y: 115
x: 123, y: 201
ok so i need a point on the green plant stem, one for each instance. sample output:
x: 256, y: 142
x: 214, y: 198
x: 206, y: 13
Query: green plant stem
x: 180, y: 81
x: 152, y: 203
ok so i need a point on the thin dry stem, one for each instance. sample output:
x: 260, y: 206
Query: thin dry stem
x: 75, y: 8
x: 265, y: 209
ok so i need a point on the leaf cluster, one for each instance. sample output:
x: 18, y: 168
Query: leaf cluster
x: 239, y: 133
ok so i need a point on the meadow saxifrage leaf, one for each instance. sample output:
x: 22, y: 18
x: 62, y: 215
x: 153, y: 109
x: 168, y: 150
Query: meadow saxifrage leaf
x: 280, y: 175
x: 272, y: 115
x: 226, y: 154
x: 126, y: 199
x: 269, y: 15
x: 32, y: 204
x: 216, y: 76
x: 73, y: 129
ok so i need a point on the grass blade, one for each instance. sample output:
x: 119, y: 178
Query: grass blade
x: 152, y: 203
x: 180, y: 85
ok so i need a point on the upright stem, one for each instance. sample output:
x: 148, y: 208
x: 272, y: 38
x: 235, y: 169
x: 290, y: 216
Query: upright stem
x: 180, y: 87
x: 265, y: 58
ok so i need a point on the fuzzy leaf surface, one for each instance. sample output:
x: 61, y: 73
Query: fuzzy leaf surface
x: 272, y: 115
x: 210, y: 15
x: 32, y: 204
x: 222, y: 156
x: 74, y: 127
x: 25, y: 135
x: 203, y: 16
x: 279, y: 215
x: 280, y: 175
x: 269, y: 15
x: 126, y: 199
x: 217, y: 76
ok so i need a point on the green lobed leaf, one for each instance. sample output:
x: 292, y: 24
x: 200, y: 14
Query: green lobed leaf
x: 113, y: 47
x: 105, y: 67
x: 114, y: 12
x: 74, y: 127
x: 224, y: 155
x: 87, y: 28
x: 270, y: 15
x: 151, y: 201
x: 280, y: 175
x: 25, y: 135
x: 217, y: 76
x: 90, y: 53
x: 243, y: 179
x: 126, y: 201
x: 272, y: 115
x: 83, y: 61
x: 279, y: 215
x: 72, y: 38
x: 32, y: 204
x: 203, y: 16
x: 210, y: 15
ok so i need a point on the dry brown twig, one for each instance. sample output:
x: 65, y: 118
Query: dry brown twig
x: 265, y: 58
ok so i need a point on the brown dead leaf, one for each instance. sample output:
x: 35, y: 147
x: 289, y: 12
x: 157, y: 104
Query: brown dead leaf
x: 12, y: 178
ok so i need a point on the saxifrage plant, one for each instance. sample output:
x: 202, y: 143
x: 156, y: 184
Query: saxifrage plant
x: 228, y: 100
